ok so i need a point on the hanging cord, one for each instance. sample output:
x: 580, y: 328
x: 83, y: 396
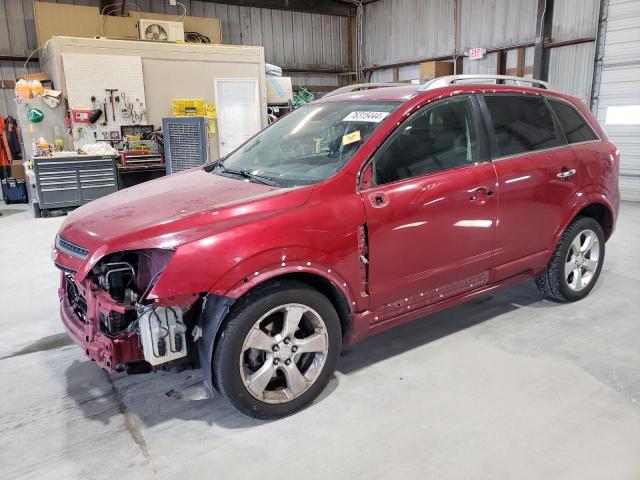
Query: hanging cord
x: 164, y: 332
x: 195, y: 37
x: 359, y: 38
x: 184, y: 12
x: 181, y: 327
x: 24, y: 67
x: 111, y: 8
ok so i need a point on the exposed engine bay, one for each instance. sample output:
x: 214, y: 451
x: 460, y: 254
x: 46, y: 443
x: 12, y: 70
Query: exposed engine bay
x: 113, y: 299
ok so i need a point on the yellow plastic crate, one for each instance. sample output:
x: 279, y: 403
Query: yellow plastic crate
x: 188, y: 107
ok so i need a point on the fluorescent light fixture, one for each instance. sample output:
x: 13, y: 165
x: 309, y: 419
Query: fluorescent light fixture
x: 623, y: 115
x: 304, y: 121
x: 473, y: 223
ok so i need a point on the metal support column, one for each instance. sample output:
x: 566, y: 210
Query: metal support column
x: 543, y: 33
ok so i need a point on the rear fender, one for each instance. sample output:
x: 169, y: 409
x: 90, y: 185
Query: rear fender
x: 586, y: 196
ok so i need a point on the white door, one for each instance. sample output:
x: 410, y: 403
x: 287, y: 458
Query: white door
x: 238, y: 110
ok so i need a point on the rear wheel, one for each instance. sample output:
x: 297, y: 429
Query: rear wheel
x: 576, y: 263
x: 277, y: 350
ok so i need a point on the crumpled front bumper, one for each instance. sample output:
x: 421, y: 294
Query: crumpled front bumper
x: 109, y: 353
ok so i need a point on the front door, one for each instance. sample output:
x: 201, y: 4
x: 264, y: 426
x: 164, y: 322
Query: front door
x: 431, y: 213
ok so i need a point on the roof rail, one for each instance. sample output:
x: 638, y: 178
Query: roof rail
x: 362, y: 86
x: 451, y: 79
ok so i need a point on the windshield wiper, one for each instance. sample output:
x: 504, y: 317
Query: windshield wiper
x: 248, y: 175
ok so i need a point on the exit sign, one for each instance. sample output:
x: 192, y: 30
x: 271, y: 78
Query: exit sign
x: 476, y: 53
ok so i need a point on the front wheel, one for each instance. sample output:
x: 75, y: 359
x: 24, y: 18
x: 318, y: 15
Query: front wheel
x: 277, y: 350
x: 576, y: 262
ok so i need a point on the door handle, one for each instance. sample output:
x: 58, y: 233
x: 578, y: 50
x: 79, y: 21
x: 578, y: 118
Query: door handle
x: 566, y: 173
x: 379, y: 199
x: 480, y: 191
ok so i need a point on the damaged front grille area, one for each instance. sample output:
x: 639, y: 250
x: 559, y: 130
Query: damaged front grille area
x: 76, y: 300
x: 71, y: 248
x: 67, y: 270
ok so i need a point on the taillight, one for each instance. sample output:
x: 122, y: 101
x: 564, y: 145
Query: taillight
x: 615, y: 156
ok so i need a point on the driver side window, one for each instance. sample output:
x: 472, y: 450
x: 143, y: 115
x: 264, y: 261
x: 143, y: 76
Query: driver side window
x: 439, y: 137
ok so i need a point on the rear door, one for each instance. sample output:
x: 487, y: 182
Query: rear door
x: 538, y: 175
x: 431, y: 211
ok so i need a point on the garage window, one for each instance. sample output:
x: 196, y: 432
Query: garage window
x: 522, y: 124
x: 575, y: 127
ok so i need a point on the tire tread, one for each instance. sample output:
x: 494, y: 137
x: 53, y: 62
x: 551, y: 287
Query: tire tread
x: 550, y: 283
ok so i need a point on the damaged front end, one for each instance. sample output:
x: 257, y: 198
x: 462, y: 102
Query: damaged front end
x: 110, y: 315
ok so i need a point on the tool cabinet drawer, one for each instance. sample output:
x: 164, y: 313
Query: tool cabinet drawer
x: 74, y: 181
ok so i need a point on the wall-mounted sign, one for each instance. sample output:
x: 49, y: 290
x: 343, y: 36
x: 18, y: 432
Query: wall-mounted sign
x: 476, y: 53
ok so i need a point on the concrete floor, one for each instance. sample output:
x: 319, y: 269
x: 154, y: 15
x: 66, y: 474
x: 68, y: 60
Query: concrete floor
x: 510, y: 386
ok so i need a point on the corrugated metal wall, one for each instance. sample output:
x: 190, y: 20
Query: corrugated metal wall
x: 496, y: 23
x: 290, y: 39
x: 574, y: 19
x: 571, y: 66
x: 571, y: 69
x: 620, y: 87
x: 407, y: 30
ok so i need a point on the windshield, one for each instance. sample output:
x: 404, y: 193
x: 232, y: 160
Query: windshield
x: 308, y: 145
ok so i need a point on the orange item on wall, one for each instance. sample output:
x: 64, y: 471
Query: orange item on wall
x: 5, y: 152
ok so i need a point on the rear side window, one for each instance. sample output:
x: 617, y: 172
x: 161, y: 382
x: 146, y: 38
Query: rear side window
x: 574, y: 126
x: 522, y: 124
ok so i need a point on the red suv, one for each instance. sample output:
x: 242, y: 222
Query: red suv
x: 351, y: 215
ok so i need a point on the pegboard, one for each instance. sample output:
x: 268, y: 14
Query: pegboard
x: 88, y: 75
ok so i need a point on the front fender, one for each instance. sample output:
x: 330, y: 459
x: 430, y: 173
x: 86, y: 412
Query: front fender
x: 282, y: 261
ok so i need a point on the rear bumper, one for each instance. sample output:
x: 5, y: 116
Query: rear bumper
x: 109, y: 353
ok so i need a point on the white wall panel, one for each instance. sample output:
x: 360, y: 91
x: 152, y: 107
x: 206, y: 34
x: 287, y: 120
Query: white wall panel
x: 620, y: 86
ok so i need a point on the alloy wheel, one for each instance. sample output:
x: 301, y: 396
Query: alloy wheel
x: 284, y: 353
x: 582, y: 260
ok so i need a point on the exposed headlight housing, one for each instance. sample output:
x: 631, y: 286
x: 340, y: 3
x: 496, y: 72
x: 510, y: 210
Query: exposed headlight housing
x: 129, y: 276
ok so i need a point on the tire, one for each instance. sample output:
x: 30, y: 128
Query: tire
x: 572, y: 273
x: 245, y: 358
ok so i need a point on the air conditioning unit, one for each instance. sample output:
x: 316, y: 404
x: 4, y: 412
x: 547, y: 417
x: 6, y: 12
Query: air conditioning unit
x: 186, y: 142
x: 160, y: 30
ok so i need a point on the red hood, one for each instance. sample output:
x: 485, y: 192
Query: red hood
x: 167, y: 212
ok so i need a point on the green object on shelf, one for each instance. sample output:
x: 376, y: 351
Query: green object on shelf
x: 302, y: 96
x: 35, y: 115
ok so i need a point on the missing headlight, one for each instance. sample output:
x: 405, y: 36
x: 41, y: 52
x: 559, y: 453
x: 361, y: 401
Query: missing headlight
x: 129, y: 276
x: 119, y: 279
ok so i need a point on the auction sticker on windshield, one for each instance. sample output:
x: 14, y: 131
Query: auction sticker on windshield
x: 359, y: 116
x: 351, y: 137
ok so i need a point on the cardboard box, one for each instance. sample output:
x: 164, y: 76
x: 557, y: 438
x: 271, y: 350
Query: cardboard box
x: 17, y: 169
x: 61, y: 20
x: 279, y: 90
x: 431, y: 70
x: 54, y: 19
